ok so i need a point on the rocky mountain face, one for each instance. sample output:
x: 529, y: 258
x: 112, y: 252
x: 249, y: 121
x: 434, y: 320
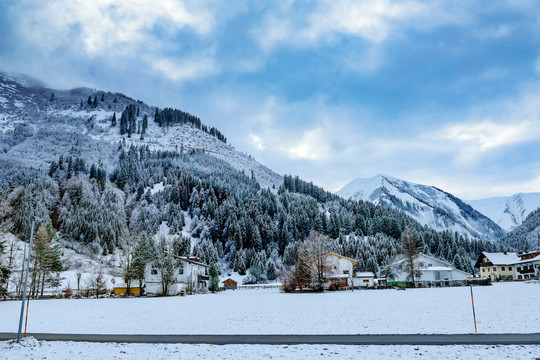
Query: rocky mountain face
x: 37, y: 124
x: 427, y: 204
x: 508, y: 211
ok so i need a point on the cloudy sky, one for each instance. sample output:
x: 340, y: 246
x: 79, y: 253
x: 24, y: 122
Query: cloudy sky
x: 445, y: 93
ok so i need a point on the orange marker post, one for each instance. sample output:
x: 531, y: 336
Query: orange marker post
x: 474, y: 315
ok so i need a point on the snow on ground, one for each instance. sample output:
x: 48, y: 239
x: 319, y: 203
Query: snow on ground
x: 34, y: 349
x: 501, y: 308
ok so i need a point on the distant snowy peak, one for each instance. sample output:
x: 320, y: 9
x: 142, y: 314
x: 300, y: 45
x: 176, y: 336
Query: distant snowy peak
x: 427, y: 204
x: 508, y: 211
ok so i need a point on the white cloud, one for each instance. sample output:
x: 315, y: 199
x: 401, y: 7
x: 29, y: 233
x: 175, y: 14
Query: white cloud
x: 120, y: 31
x: 257, y: 141
x: 487, y: 135
x: 373, y: 21
x: 108, y: 27
x: 312, y: 145
x: 186, y: 69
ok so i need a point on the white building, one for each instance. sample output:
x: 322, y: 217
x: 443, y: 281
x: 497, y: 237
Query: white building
x: 337, y: 270
x: 432, y: 271
x: 189, y: 275
x: 364, y: 279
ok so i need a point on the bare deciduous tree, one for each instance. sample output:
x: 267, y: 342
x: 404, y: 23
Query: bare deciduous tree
x: 411, y: 264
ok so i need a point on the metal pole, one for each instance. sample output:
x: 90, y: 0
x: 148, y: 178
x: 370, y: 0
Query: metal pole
x: 25, y: 283
x: 474, y: 314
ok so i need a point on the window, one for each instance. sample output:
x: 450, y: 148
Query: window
x: 483, y: 269
x: 346, y: 272
x: 365, y: 280
x: 494, y: 269
x: 429, y: 265
x: 181, y: 268
x: 503, y: 268
x: 154, y: 270
x: 509, y: 268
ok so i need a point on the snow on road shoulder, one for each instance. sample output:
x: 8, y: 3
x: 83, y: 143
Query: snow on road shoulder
x: 81, y: 350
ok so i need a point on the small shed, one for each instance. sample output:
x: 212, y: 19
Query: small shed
x: 364, y: 279
x: 230, y: 284
x: 133, y: 291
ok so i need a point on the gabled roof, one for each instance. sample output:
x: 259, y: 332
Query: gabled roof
x: 499, y: 258
x: 182, y: 258
x: 424, y: 255
x: 341, y: 257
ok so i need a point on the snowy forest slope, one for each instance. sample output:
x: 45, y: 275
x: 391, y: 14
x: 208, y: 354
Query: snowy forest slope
x: 38, y: 124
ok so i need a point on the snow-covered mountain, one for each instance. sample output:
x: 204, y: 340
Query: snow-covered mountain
x: 427, y: 204
x: 507, y: 211
x: 37, y: 124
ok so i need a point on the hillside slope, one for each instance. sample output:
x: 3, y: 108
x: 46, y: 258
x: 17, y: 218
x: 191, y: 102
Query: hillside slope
x: 37, y: 124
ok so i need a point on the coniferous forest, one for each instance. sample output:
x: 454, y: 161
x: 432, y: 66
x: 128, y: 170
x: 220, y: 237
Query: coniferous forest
x: 225, y: 214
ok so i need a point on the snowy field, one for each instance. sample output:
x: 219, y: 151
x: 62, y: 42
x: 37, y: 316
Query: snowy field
x: 75, y: 351
x: 501, y: 308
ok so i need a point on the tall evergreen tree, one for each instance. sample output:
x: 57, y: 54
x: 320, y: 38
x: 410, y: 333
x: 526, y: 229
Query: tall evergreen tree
x: 214, y: 278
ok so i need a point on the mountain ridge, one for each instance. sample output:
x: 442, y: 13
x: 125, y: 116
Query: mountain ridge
x: 39, y: 113
x: 427, y: 204
x: 508, y: 211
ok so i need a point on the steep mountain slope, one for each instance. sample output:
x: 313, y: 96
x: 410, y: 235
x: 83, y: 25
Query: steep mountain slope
x: 508, y: 211
x: 427, y: 204
x: 37, y: 124
x: 527, y: 235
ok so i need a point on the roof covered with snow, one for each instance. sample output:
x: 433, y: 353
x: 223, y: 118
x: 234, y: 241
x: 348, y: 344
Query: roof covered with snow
x: 365, y: 274
x: 502, y: 258
x: 437, y: 268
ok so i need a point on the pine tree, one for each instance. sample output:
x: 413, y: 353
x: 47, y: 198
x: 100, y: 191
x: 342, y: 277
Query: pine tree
x: 52, y: 97
x: 143, y: 252
x: 271, y: 272
x: 113, y: 121
x: 89, y: 100
x: 4, y: 270
x: 102, y: 97
x: 214, y: 278
x: 95, y: 103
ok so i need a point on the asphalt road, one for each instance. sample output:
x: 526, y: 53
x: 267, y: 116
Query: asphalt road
x: 413, y: 339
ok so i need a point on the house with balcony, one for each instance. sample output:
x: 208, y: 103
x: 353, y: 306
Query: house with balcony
x: 509, y: 265
x: 529, y: 265
x: 498, y: 266
x: 190, y: 274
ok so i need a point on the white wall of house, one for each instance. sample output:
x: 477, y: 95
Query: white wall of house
x: 338, y: 266
x: 186, y: 274
x: 432, y: 269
